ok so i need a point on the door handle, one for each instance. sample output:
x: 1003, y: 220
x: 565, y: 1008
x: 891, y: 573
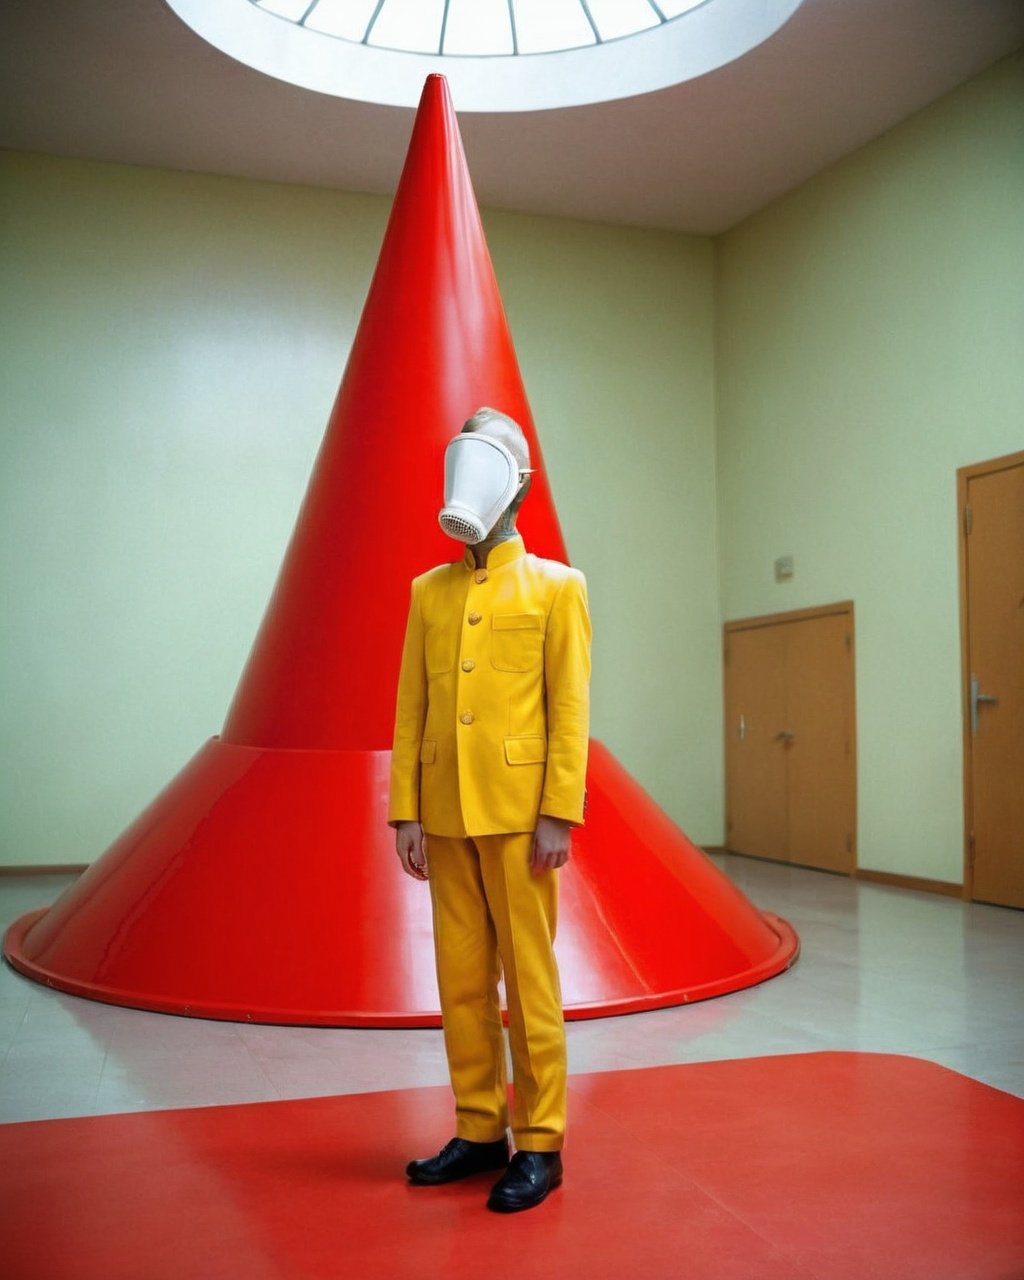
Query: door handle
x: 977, y: 697
x: 784, y: 735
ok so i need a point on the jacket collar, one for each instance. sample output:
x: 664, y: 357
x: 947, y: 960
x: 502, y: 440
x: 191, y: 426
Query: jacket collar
x: 503, y: 553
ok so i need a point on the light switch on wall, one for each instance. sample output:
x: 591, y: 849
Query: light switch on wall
x: 783, y: 568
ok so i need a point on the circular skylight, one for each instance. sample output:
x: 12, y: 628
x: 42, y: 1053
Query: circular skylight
x: 478, y: 28
x: 498, y: 55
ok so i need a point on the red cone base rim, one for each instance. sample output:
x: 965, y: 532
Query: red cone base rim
x: 284, y: 902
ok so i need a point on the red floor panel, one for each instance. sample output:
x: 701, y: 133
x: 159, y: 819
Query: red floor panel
x: 826, y: 1165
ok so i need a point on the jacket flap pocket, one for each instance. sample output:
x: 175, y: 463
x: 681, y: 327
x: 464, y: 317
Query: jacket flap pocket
x: 530, y: 749
x: 516, y: 621
x: 428, y: 751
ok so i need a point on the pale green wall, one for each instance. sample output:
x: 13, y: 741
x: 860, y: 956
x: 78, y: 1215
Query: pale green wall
x: 615, y: 334
x: 171, y: 347
x: 870, y: 341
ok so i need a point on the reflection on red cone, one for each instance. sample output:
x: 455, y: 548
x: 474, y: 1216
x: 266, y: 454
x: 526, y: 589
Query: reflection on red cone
x: 262, y: 884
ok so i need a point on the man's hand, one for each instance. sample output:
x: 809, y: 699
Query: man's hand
x: 550, y: 844
x: 412, y: 849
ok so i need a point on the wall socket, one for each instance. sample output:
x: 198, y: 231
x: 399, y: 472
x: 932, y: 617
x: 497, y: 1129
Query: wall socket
x: 783, y: 568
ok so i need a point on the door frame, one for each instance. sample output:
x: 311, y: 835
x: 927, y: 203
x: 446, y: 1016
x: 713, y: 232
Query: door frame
x: 840, y: 607
x: 792, y: 615
x: 963, y: 476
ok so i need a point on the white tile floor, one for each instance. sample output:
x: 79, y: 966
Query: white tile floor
x: 881, y: 969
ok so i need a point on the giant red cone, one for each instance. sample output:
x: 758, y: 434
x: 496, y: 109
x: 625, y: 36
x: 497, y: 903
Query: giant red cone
x: 262, y: 882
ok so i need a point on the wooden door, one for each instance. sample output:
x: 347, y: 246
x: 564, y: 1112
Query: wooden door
x: 790, y: 745
x: 992, y: 565
x: 820, y: 756
x: 755, y: 764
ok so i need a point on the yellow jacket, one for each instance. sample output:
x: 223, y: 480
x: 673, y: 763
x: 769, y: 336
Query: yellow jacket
x: 492, y: 722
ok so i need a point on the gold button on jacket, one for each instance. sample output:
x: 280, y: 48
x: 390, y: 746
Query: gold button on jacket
x: 524, y: 634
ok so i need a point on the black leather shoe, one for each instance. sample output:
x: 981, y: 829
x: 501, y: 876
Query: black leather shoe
x: 458, y: 1159
x: 527, y: 1181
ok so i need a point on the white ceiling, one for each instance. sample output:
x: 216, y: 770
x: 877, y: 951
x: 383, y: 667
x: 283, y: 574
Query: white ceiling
x: 125, y: 80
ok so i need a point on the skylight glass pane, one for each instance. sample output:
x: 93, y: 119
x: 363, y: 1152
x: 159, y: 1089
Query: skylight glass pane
x: 616, y: 18
x: 413, y: 25
x: 346, y: 18
x: 478, y: 27
x: 316, y: 44
x: 673, y: 8
x: 544, y: 25
x: 290, y: 9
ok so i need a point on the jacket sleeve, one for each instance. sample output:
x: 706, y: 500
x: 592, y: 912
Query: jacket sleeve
x: 567, y: 680
x: 410, y: 714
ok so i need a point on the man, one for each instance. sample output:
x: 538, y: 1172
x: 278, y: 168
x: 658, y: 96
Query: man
x: 488, y: 776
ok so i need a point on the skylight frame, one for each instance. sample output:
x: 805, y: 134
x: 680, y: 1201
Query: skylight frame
x: 688, y: 45
x: 309, y: 9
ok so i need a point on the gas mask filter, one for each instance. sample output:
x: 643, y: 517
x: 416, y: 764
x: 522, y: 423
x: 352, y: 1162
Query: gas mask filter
x: 481, y: 477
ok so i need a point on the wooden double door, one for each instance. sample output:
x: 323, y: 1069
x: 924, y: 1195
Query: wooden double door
x: 790, y: 743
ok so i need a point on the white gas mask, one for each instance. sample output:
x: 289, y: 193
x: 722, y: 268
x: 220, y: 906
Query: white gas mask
x: 481, y: 478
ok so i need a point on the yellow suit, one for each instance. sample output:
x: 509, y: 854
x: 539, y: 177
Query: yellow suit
x: 491, y: 731
x: 492, y: 722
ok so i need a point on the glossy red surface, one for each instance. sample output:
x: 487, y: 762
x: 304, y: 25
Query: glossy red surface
x: 432, y: 346
x: 263, y: 886
x: 821, y: 1166
x: 262, y: 883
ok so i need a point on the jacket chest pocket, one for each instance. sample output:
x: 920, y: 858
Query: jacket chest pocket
x: 439, y: 650
x: 517, y: 641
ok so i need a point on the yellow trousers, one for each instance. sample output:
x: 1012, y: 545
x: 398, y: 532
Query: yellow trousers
x: 492, y: 914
